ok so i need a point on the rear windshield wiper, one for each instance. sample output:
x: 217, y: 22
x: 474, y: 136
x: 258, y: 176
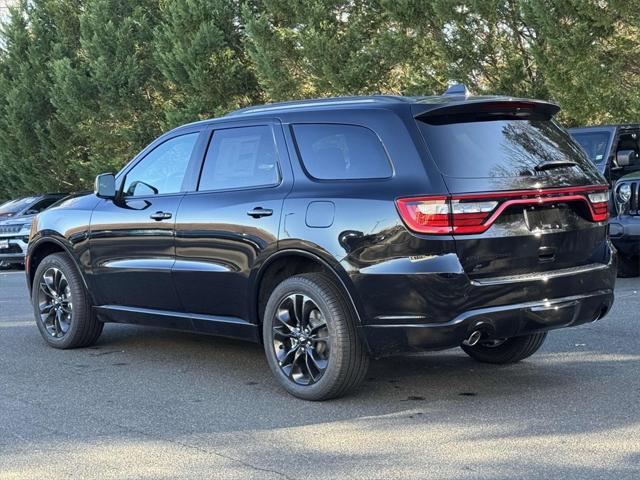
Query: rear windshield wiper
x: 555, y: 164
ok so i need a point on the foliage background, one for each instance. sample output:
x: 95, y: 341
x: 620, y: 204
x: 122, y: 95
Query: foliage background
x: 85, y: 84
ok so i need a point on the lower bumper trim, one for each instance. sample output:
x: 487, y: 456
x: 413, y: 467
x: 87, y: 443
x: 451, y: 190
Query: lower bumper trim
x: 494, y: 322
x: 542, y: 276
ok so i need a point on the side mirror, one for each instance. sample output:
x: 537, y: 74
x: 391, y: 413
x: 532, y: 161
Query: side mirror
x: 105, y: 186
x: 624, y: 158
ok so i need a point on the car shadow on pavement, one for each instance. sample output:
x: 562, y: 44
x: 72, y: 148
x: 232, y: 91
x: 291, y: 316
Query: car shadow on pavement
x: 448, y: 379
x: 142, y: 389
x: 219, y: 395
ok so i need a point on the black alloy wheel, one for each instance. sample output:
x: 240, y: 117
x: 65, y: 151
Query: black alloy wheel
x: 55, y: 302
x: 301, y: 339
x: 311, y: 338
x: 61, y: 304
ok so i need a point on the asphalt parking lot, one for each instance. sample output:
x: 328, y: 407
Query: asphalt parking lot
x: 153, y: 404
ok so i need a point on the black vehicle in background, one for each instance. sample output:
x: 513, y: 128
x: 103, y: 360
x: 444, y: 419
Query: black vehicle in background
x: 336, y: 230
x: 625, y: 226
x: 15, y: 224
x: 615, y: 149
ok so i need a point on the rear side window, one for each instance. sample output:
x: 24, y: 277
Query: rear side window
x: 499, y: 148
x: 341, y: 152
x: 241, y: 157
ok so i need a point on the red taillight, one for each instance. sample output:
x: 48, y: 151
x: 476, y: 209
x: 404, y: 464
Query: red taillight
x: 425, y: 214
x: 475, y: 213
x: 599, y: 205
x: 443, y: 215
x: 470, y: 215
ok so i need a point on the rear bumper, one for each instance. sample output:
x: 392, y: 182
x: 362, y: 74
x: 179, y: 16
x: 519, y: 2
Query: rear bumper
x: 439, y: 306
x: 493, y: 322
x: 625, y: 234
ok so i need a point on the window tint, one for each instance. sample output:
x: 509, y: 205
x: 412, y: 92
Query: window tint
x: 341, y: 152
x: 240, y: 158
x: 162, y: 170
x: 42, y: 205
x: 15, y: 206
x: 594, y: 144
x: 500, y: 148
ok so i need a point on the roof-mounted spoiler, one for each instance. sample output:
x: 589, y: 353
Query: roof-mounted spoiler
x: 487, y: 107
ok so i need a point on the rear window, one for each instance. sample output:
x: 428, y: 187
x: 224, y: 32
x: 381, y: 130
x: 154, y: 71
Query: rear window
x: 594, y: 144
x: 498, y: 148
x: 341, y: 152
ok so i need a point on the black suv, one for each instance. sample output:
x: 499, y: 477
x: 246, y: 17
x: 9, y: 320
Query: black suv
x: 615, y: 149
x: 336, y: 230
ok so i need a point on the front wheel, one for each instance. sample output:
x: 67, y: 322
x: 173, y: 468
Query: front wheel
x: 311, y: 340
x: 507, y: 350
x: 61, y: 304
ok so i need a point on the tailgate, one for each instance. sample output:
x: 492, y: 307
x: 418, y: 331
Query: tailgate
x: 523, y: 197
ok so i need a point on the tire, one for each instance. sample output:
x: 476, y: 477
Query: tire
x: 628, y: 267
x: 512, y: 350
x: 82, y: 328
x: 343, y: 352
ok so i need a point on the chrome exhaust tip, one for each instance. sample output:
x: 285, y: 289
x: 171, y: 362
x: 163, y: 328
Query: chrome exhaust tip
x: 473, y: 339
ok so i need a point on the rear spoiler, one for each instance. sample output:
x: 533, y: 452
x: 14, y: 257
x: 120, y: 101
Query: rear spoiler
x: 485, y: 107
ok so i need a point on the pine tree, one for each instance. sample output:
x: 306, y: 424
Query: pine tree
x: 108, y: 92
x: 85, y: 84
x: 327, y: 47
x: 34, y: 142
x: 589, y: 55
x: 199, y: 50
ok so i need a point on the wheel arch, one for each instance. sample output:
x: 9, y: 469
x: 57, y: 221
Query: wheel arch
x: 41, y: 249
x: 288, y: 262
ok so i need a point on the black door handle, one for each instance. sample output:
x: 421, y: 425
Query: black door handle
x: 160, y: 216
x: 260, y: 212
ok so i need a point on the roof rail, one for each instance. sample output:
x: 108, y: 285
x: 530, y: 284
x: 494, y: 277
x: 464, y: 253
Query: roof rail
x: 315, y: 102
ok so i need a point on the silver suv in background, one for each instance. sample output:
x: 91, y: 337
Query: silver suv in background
x: 15, y: 223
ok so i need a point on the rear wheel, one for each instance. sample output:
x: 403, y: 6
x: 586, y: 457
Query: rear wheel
x: 61, y: 305
x: 508, y: 350
x: 311, y: 340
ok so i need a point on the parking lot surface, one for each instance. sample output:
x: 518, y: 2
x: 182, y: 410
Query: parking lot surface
x: 152, y: 404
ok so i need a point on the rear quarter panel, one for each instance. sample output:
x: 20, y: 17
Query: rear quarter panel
x: 355, y: 223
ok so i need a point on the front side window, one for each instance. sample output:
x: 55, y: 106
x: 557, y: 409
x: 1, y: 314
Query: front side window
x: 161, y: 171
x: 41, y: 205
x: 341, y: 152
x: 594, y: 144
x: 242, y: 157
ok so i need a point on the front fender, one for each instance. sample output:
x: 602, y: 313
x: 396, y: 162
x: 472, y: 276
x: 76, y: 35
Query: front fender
x: 43, y: 244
